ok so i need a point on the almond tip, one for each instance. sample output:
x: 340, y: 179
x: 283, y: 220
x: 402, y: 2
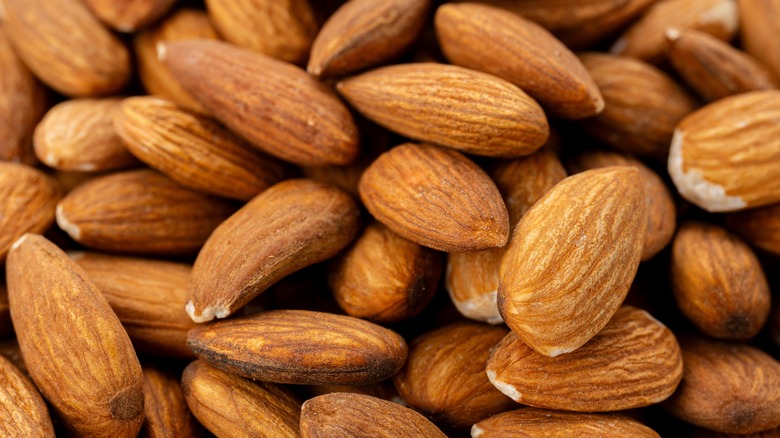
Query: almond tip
x: 19, y: 241
x: 69, y: 227
x: 507, y: 389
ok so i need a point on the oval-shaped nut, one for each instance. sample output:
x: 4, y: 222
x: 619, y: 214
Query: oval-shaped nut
x: 440, y: 358
x: 231, y: 406
x: 127, y: 16
x: 474, y: 112
x: 79, y: 135
x: 89, y: 62
x: 193, y: 150
x: 27, y: 202
x: 294, y: 224
x: 496, y: 41
x: 634, y: 361
x: 22, y: 410
x: 759, y: 226
x: 301, y: 347
x: 724, y: 156
x: 533, y: 422
x: 572, y: 259
x: 728, y: 388
x: 643, y: 105
x: 356, y: 415
x: 364, y: 33
x: 661, y: 212
x: 759, y: 25
x: 435, y: 197
x: 139, y: 211
x: 276, y: 106
x: 63, y: 323
x: 165, y: 410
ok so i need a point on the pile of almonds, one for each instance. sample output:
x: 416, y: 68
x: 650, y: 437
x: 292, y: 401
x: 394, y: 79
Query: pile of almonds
x: 399, y: 218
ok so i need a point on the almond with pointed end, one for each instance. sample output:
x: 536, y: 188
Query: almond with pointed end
x: 22, y: 410
x: 760, y: 23
x: 63, y: 323
x: 165, y: 409
x: 301, y: 347
x: 724, y: 156
x: 231, y: 406
x: 354, y: 415
x: 129, y: 15
x: 759, y: 226
x: 572, y: 259
x: 276, y: 106
x: 435, y: 197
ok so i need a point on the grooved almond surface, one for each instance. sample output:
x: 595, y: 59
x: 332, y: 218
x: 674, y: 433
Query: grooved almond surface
x: 129, y: 15
x: 22, y: 410
x: 165, y: 409
x: 759, y: 226
x: 759, y: 25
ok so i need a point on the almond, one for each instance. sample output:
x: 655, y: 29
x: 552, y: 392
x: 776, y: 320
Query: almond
x: 22, y: 410
x: 572, y: 259
x: 245, y: 90
x: 384, y: 390
x: 722, y: 156
x: 63, y: 323
x: 301, y: 347
x: 759, y: 226
x: 435, y: 197
x: 127, y: 16
x: 634, y: 361
x: 165, y: 409
x: 759, y: 19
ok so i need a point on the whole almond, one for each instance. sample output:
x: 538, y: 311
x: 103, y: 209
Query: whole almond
x: 759, y: 226
x: 496, y: 41
x: 63, y: 323
x: 22, y: 410
x: 165, y: 409
x: 129, y: 15
x: 572, y: 259
x: 634, y: 361
x: 475, y: 112
x: 245, y: 90
x: 435, y: 197
x: 759, y: 19
x: 722, y: 156
x: 301, y: 347
x: 91, y: 61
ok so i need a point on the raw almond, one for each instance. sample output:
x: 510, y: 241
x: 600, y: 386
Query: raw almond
x: 760, y: 24
x: 22, y: 410
x: 759, y: 226
x: 127, y: 16
x: 165, y: 409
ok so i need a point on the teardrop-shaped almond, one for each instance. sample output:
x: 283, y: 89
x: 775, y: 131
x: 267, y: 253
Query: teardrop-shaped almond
x: 129, y: 15
x: 22, y: 410
x: 165, y: 408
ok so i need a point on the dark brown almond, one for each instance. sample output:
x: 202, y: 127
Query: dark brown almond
x: 22, y: 410
x: 128, y: 16
x: 760, y: 24
x: 166, y: 414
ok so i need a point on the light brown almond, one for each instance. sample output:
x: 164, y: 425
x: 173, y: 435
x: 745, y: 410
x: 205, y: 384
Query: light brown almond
x: 129, y: 15
x: 760, y: 24
x: 22, y: 410
x: 165, y: 409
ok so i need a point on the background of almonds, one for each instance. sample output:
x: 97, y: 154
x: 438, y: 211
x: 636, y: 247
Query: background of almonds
x: 410, y: 218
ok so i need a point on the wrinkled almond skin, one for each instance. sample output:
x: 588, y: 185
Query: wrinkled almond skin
x: 22, y: 410
x: 572, y: 259
x: 759, y: 19
x: 301, y: 347
x: 129, y: 15
x: 759, y: 226
x: 66, y: 47
x: 229, y: 405
x: 165, y: 409
x: 356, y: 415
x: 62, y: 323
x: 294, y: 224
x: 634, y: 361
x: 245, y: 90
x: 496, y: 41
x: 475, y: 112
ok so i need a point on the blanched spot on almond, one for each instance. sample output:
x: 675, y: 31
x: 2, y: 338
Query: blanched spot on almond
x: 725, y: 13
x: 69, y: 227
x: 207, y: 314
x: 19, y: 241
x: 672, y: 34
x: 507, y: 389
x: 161, y: 51
x: 476, y: 431
x: 481, y: 308
x: 560, y: 351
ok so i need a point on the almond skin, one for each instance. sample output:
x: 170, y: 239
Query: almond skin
x: 760, y: 24
x: 634, y: 361
x: 62, y: 323
x: 475, y: 112
x: 22, y: 410
x: 301, y: 347
x: 759, y: 226
x: 165, y: 409
x: 244, y: 90
x: 506, y: 45
x: 572, y: 259
x: 127, y: 16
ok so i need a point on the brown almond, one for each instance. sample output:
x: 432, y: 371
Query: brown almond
x: 634, y: 361
x: 165, y: 409
x: 572, y: 259
x: 475, y: 112
x: 759, y: 226
x: 435, y: 197
x: 63, y: 323
x: 22, y: 410
x: 128, y: 16
x: 384, y: 390
x: 496, y: 41
x: 760, y: 24
x: 301, y: 347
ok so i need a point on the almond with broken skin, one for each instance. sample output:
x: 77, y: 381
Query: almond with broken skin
x: 66, y: 46
x: 193, y: 150
x: 572, y: 259
x: 79, y: 135
x: 364, y: 33
x: 760, y: 24
x: 294, y: 224
x: 301, y: 347
x: 62, y: 323
x: 140, y: 211
x: 474, y: 112
x: 435, y: 197
x: 166, y: 414
x: 129, y: 15
x: 634, y: 361
x: 356, y: 415
x: 229, y: 405
x: 496, y: 41
x: 759, y: 226
x: 724, y: 156
x: 275, y: 106
x: 22, y: 410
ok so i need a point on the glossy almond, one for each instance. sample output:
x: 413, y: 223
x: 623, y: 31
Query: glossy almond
x: 301, y: 347
x: 22, y: 410
x: 572, y: 259
x: 166, y: 414
x: 129, y: 15
x: 475, y: 112
x: 634, y: 361
x: 759, y: 25
x: 245, y: 90
x: 759, y: 226
x: 63, y: 323
x: 435, y: 197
